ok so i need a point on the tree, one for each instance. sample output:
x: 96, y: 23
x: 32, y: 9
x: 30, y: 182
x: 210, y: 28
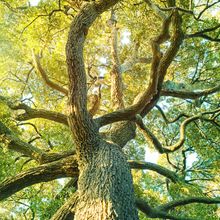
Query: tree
x: 167, y: 68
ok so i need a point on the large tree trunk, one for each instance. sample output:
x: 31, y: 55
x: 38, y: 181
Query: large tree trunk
x: 105, y: 189
x: 105, y: 186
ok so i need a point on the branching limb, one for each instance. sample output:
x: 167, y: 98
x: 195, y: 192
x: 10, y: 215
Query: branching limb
x: 190, y: 94
x: 166, y: 59
x: 116, y: 74
x: 166, y: 119
x: 31, y: 113
x: 162, y: 211
x: 176, y: 41
x: 158, y: 70
x: 150, y: 137
x: 128, y: 114
x: 154, y: 167
x: 155, y: 74
x: 154, y: 212
x: 182, y: 138
x: 183, y: 126
x: 66, y: 167
x: 203, y: 34
x: 159, y: 67
x: 41, y: 113
x: 83, y: 127
x: 44, y: 76
x: 186, y: 201
x: 120, y: 133
x: 199, y: 33
x: 63, y: 168
x: 168, y: 149
x: 206, y: 8
x: 16, y: 144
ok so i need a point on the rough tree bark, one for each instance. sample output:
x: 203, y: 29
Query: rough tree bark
x: 105, y: 186
x: 105, y: 189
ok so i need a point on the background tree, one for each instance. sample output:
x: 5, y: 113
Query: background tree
x: 92, y: 89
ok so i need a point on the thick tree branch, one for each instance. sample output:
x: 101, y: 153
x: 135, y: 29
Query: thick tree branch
x: 82, y: 125
x: 176, y: 40
x: 121, y: 133
x: 66, y: 167
x: 63, y: 168
x: 41, y: 113
x: 167, y: 58
x: 16, y: 144
x: 34, y: 113
x: 51, y: 157
x: 95, y: 101
x: 157, y: 74
x: 154, y: 212
x: 154, y: 167
x: 162, y: 211
x: 44, y: 76
x: 186, y: 201
x: 190, y: 94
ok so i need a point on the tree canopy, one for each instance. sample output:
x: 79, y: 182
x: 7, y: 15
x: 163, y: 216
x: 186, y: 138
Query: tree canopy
x: 90, y: 90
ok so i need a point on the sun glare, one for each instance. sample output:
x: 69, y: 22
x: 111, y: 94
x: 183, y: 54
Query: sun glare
x: 34, y: 2
x: 151, y: 156
x: 125, y: 37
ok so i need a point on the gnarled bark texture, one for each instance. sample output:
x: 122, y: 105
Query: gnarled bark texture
x: 105, y: 186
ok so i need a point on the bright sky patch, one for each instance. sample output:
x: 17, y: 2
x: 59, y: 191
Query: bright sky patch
x: 34, y: 2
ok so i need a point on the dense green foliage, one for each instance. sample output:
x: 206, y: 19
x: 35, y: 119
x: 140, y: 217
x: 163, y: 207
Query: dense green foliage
x: 44, y: 28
